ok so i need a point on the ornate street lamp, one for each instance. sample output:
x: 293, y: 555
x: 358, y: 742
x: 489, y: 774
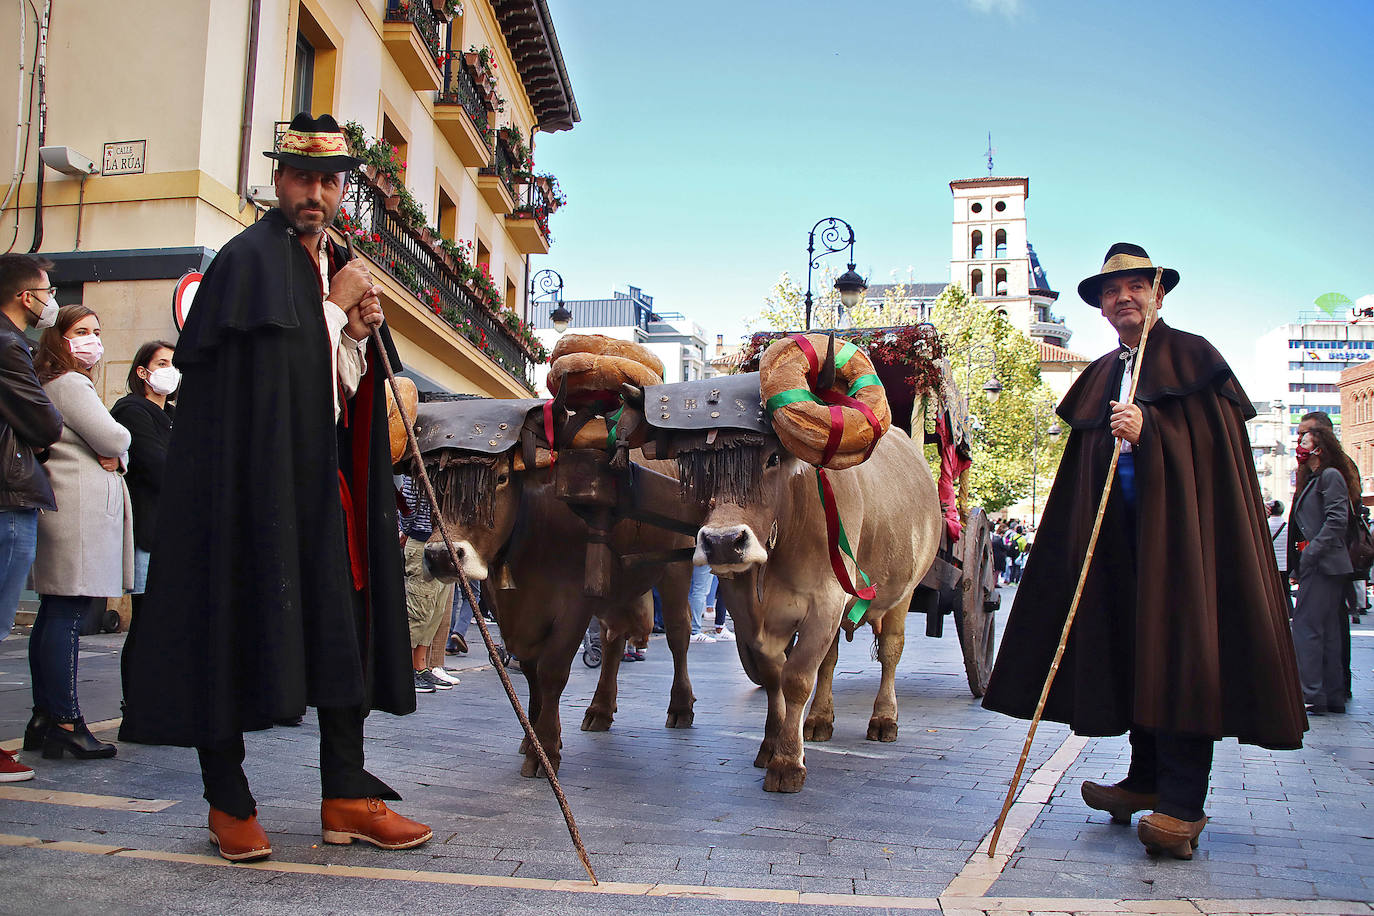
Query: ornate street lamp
x: 849, y: 284
x: 547, y: 284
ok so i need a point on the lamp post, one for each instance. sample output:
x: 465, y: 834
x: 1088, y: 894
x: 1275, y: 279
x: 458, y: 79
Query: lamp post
x: 981, y: 356
x: 547, y: 284
x: 1053, y: 431
x: 849, y: 284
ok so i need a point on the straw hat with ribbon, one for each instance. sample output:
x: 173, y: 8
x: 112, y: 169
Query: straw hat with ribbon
x: 314, y: 144
x: 1123, y: 257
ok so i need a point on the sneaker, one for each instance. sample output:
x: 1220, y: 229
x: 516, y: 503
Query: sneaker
x: 724, y: 635
x: 702, y: 637
x: 11, y: 770
x: 443, y: 677
x: 457, y: 645
x: 434, y: 681
x: 630, y: 656
x: 422, y: 683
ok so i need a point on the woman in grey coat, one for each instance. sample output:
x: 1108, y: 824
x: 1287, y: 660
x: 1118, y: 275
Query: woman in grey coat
x: 85, y: 548
x: 1319, y: 561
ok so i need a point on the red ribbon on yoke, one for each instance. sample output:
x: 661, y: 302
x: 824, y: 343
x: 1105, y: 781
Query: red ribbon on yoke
x: 548, y: 432
x: 836, y: 401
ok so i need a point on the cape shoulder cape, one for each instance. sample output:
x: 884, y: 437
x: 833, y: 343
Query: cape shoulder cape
x: 251, y: 592
x: 1182, y: 626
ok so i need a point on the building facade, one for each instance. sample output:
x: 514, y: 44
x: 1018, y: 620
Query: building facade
x: 679, y: 342
x: 1357, y: 410
x: 1271, y: 446
x: 1302, y: 364
x: 178, y: 144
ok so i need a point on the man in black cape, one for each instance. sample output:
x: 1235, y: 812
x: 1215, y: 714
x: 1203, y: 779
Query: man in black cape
x: 1181, y: 637
x: 276, y: 580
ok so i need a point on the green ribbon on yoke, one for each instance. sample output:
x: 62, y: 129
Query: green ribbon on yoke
x: 790, y: 396
x: 610, y: 427
x: 864, y: 381
x: 845, y: 352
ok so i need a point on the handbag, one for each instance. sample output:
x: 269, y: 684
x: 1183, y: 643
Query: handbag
x: 1360, y: 543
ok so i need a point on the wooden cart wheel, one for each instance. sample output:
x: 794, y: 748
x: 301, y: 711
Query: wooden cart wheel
x: 975, y: 614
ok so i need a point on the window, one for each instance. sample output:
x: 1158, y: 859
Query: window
x: 1001, y: 238
x: 392, y: 134
x: 1000, y: 206
x: 976, y: 244
x: 1000, y: 278
x: 976, y: 207
x: 303, y: 81
x: 446, y: 216
x: 976, y: 282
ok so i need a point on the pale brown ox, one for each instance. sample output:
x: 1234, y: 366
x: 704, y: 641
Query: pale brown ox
x: 542, y: 545
x: 891, y: 513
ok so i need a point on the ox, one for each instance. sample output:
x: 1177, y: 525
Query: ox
x: 536, y: 543
x: 767, y: 542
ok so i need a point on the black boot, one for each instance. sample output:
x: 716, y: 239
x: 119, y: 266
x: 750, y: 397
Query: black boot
x: 79, y: 742
x: 37, y: 729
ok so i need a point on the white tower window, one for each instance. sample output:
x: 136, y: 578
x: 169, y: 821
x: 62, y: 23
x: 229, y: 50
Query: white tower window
x: 976, y: 244
x: 1001, y: 239
x: 976, y: 282
x: 1001, y: 282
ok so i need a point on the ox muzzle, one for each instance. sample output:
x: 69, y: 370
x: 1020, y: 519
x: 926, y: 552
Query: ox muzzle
x: 729, y: 549
x: 440, y: 561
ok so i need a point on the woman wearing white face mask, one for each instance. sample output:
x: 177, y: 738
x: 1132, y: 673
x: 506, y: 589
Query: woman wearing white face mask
x: 147, y: 413
x: 85, y: 548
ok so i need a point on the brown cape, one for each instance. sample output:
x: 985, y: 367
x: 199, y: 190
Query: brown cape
x: 1187, y: 632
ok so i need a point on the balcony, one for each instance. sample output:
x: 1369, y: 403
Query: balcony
x: 429, y: 299
x: 463, y: 115
x: 411, y: 33
x: 528, y: 223
x: 494, y: 181
x: 1053, y: 331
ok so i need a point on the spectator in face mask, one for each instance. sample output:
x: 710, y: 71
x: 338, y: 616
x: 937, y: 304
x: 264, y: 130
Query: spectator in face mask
x: 147, y: 412
x: 85, y: 548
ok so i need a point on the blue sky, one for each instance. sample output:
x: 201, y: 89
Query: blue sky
x: 1232, y: 140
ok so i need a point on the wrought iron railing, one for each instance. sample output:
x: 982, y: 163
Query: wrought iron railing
x: 460, y: 88
x: 502, y: 164
x: 534, y: 202
x: 419, y: 13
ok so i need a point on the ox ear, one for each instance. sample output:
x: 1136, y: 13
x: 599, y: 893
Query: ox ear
x: 826, y: 379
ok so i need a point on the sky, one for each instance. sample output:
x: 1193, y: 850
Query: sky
x: 1232, y: 140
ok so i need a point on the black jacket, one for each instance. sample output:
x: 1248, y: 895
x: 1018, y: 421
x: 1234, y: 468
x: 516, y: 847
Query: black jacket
x: 151, y: 428
x: 29, y: 423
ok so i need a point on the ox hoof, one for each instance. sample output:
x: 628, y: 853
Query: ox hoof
x: 784, y: 777
x: 531, y: 769
x: 679, y: 719
x: 525, y: 745
x: 881, y: 728
x: 596, y: 721
x: 818, y: 729
x: 764, y: 755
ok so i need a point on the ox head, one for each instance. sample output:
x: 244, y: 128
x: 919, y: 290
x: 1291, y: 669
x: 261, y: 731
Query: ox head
x: 748, y: 485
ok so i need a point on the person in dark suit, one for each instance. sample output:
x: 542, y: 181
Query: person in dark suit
x: 1319, y: 561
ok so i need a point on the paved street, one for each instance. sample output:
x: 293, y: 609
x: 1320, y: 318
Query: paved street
x: 677, y: 821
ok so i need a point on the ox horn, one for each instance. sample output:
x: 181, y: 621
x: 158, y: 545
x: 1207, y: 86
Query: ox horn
x: 560, y: 412
x: 633, y: 395
x: 826, y: 380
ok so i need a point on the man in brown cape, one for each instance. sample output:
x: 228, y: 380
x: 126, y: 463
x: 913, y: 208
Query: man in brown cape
x: 1181, y: 636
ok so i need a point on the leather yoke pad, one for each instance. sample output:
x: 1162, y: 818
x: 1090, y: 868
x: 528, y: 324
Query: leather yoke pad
x: 486, y: 425
x: 723, y: 402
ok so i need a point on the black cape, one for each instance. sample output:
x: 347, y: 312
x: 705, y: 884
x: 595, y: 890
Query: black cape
x: 150, y: 427
x: 1183, y: 626
x: 251, y: 612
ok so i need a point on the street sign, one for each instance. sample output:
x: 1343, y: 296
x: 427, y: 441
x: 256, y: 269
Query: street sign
x: 124, y: 157
x: 183, y: 297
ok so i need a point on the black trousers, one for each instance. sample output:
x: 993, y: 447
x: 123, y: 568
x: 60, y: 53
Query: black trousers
x: 341, y: 766
x: 1178, y: 767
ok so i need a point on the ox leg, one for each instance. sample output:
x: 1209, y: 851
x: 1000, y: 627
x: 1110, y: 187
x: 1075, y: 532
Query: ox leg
x: 554, y: 664
x: 770, y: 679
x: 820, y: 723
x: 530, y: 668
x: 677, y: 623
x: 787, y: 769
x: 883, y: 725
x: 601, y: 712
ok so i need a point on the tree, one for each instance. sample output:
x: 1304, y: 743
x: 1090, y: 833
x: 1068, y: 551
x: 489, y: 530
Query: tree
x: 1005, y: 431
x: 784, y: 308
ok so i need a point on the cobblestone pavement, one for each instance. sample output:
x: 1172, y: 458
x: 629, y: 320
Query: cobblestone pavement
x: 677, y: 821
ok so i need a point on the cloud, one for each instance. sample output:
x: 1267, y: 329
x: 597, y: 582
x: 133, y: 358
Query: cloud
x: 1007, y: 8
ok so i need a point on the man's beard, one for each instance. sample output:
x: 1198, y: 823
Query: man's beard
x: 306, y: 225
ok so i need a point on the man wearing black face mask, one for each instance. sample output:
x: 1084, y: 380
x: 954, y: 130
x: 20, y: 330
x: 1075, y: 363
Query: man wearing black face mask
x: 29, y: 423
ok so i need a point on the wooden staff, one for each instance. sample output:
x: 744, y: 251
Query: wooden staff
x: 530, y: 737
x: 1151, y: 311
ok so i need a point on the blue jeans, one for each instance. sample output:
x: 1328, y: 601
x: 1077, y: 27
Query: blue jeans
x: 713, y: 600
x: 18, y: 543
x: 52, y: 654
x: 696, y: 594
x: 462, y: 611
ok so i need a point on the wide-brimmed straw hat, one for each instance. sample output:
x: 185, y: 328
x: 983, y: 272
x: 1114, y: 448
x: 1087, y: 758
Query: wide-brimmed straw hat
x: 1123, y: 257
x: 314, y: 144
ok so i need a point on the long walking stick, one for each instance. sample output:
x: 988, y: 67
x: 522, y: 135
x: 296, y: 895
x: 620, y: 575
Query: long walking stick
x: 1150, y: 313
x: 530, y: 736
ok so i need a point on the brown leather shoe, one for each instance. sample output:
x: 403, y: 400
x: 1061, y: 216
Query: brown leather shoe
x: 1162, y: 833
x: 1118, y: 802
x: 238, y: 839
x: 343, y: 820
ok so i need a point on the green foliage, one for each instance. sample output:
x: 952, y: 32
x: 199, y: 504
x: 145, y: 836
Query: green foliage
x: 1005, y: 440
x: 784, y: 308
